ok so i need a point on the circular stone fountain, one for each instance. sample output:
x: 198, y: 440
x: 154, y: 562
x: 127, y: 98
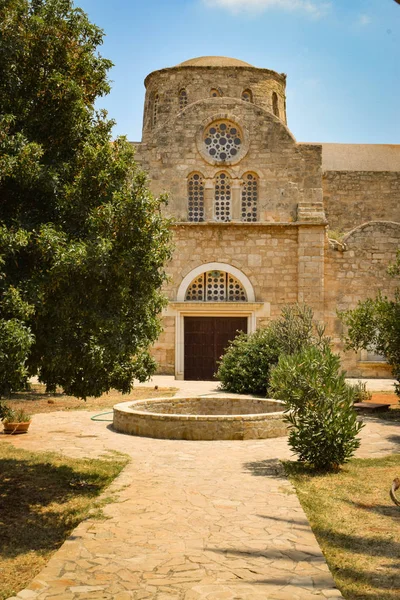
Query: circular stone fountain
x: 221, y: 417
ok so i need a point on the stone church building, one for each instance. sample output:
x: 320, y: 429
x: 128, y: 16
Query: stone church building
x: 260, y: 220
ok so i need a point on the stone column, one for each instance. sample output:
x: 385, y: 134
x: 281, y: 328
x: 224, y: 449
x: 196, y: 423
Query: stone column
x: 311, y: 252
x: 209, y: 200
x: 236, y: 186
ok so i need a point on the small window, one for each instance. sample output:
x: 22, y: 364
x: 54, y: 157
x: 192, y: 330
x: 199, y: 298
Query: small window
x: 247, y: 96
x: 222, y: 197
x: 155, y: 109
x: 249, y: 198
x: 214, y: 93
x: 275, y: 107
x: 372, y: 356
x: 195, y: 197
x: 183, y: 99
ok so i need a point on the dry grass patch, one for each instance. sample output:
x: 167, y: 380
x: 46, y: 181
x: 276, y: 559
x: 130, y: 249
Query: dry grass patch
x: 356, y: 524
x: 385, y: 397
x: 36, y: 400
x: 43, y: 497
x: 393, y: 414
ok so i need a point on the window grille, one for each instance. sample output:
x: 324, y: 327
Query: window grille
x: 249, y: 198
x: 195, y: 291
x: 214, y: 93
x: 222, y: 197
x: 155, y: 108
x: 223, y: 140
x: 215, y: 286
x: 183, y: 99
x: 195, y: 198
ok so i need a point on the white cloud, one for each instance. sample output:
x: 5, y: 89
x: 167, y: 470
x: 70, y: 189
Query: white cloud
x: 315, y: 8
x: 364, y: 20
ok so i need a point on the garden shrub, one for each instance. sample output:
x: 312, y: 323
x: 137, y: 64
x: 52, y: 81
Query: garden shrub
x: 245, y: 366
x: 322, y: 422
x: 361, y: 394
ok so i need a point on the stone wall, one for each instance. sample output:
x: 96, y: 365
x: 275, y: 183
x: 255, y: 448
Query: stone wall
x: 198, y: 82
x: 267, y: 255
x: 283, y: 263
x: 301, y: 189
x: 288, y: 173
x: 355, y: 197
x: 164, y: 349
x: 356, y: 271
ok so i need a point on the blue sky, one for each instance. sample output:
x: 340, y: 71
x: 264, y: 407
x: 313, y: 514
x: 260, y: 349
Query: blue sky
x: 341, y: 57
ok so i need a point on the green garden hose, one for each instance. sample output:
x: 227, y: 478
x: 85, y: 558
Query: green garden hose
x: 94, y: 418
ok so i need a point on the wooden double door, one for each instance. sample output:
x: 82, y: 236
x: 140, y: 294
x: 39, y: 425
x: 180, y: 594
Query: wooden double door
x: 206, y: 338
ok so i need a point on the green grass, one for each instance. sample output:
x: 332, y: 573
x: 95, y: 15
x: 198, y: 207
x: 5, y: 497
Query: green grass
x: 356, y: 524
x: 43, y: 497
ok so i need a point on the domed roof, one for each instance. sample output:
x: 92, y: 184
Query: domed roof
x: 214, y: 61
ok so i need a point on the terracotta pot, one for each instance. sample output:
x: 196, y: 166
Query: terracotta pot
x: 13, y: 428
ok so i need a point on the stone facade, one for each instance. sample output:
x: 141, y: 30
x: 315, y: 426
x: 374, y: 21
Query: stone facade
x: 355, y: 197
x: 252, y: 204
x: 354, y: 270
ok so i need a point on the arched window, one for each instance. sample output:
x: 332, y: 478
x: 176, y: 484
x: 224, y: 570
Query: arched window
x: 249, y: 197
x: 214, y: 93
x: 222, y: 197
x: 247, y: 96
x: 195, y: 197
x: 275, y: 107
x: 155, y: 108
x: 215, y: 286
x: 183, y: 99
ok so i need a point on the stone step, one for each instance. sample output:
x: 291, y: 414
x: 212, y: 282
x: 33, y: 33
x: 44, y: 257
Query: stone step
x: 371, y: 407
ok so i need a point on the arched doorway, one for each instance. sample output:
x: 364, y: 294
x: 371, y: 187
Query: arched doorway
x: 216, y: 298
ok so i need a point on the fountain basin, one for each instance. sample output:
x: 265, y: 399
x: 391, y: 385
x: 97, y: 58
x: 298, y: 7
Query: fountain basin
x: 222, y: 417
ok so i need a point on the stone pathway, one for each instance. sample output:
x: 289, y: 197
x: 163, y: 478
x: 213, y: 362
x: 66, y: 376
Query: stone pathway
x: 193, y: 520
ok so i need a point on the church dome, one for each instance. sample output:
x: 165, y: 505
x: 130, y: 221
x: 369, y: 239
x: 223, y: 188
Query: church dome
x: 214, y: 61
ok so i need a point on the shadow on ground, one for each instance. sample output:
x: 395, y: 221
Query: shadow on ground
x: 36, y: 512
x: 271, y: 467
x: 387, y: 510
x: 395, y: 439
x: 383, y: 585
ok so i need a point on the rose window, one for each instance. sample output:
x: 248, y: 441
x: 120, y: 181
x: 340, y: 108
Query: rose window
x: 215, y: 286
x: 223, y: 140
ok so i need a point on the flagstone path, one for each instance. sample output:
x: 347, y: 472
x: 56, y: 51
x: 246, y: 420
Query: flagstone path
x: 192, y: 520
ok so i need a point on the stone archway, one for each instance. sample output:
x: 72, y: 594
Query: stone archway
x: 215, y: 301
x: 215, y: 266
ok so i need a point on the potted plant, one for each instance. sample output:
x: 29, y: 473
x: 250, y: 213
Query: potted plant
x: 14, y: 421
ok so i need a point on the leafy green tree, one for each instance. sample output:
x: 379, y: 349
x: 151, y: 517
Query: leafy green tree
x: 323, y: 425
x: 375, y: 325
x: 83, y: 243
